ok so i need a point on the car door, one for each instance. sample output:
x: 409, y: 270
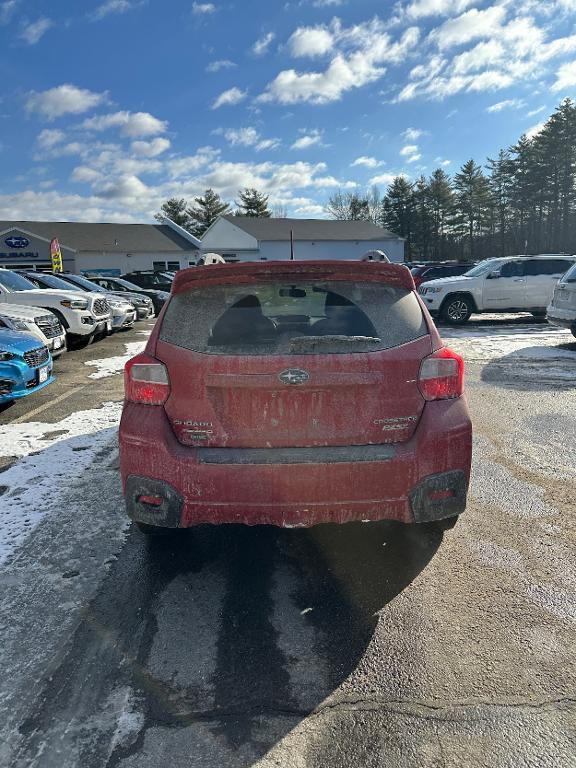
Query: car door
x: 542, y: 276
x: 506, y: 289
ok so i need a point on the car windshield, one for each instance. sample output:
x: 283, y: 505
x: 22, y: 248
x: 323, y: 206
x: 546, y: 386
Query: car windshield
x: 87, y: 285
x: 485, y: 266
x: 121, y: 283
x: 570, y: 276
x: 14, y: 282
x: 51, y: 281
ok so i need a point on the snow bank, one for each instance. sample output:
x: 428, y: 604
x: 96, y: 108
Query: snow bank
x: 110, y: 366
x: 51, y: 456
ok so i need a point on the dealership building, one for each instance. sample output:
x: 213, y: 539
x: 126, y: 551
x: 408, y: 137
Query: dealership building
x: 110, y: 248
x: 115, y: 249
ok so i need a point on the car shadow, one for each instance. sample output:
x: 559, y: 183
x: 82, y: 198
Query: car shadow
x: 226, y: 637
x: 531, y: 367
x: 294, y: 600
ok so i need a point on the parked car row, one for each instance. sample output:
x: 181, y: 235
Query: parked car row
x: 42, y: 315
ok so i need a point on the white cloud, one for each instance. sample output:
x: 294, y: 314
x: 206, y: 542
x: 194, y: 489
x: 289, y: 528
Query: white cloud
x: 150, y: 148
x: 111, y: 7
x: 267, y: 144
x: 244, y: 137
x: 441, y: 161
x: 534, y: 112
x: 361, y: 52
x: 516, y: 49
x: 535, y: 130
x: 506, y: 104
x: 409, y: 149
x: 216, y: 66
x: 383, y: 178
x: 230, y: 97
x: 188, y: 164
x: 414, y: 158
x: 312, y: 209
x: 419, y: 9
x: 49, y: 138
x: 131, y: 124
x: 201, y: 9
x: 565, y: 76
x: 84, y: 174
x: 327, y: 3
x: 469, y: 26
x: 261, y: 45
x: 413, y: 134
x: 63, y: 100
x: 7, y: 9
x: 366, y: 162
x: 314, y: 138
x: 310, y: 42
x: 32, y: 32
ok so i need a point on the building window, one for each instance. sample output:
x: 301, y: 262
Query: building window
x: 158, y: 266
x: 230, y: 257
x: 174, y: 266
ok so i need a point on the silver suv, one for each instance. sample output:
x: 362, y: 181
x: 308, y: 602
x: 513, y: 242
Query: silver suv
x: 562, y: 309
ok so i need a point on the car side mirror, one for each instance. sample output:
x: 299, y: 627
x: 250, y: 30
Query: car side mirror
x: 494, y: 275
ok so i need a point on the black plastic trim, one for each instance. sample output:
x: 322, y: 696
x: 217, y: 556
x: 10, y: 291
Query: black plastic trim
x: 425, y: 509
x: 315, y: 455
x: 167, y: 515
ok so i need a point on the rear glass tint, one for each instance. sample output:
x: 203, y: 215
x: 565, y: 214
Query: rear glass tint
x: 292, y: 318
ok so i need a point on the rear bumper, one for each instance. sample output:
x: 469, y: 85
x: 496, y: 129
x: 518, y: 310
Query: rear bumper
x: 423, y: 479
x: 564, y: 318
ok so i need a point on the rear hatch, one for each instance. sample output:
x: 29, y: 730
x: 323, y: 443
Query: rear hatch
x: 272, y: 356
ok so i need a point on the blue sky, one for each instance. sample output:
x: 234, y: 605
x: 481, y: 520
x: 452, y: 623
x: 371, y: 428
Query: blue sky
x: 108, y: 108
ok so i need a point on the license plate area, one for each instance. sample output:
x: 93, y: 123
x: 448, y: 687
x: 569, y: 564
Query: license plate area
x: 42, y: 374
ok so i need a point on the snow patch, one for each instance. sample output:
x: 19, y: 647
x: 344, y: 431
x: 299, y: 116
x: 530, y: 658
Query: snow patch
x: 110, y: 366
x: 50, y: 455
x: 542, y: 352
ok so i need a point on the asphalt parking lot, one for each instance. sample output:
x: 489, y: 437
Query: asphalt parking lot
x: 358, y: 645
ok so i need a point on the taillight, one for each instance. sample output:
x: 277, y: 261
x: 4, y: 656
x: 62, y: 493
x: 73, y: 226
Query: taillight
x: 146, y: 380
x: 442, y: 375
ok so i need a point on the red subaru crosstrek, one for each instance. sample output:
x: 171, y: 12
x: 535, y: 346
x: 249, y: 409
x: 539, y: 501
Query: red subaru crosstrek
x: 294, y: 393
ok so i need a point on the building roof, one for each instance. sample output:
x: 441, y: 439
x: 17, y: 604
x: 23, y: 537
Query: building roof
x: 112, y: 238
x: 310, y: 229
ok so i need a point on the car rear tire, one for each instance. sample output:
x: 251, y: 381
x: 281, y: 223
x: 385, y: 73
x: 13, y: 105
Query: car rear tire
x: 457, y: 309
x: 539, y: 316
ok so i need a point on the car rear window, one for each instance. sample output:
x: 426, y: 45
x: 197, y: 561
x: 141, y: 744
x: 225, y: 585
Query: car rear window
x: 292, y: 318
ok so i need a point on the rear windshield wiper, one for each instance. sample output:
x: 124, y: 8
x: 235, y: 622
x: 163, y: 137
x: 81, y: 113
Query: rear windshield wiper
x: 305, y: 345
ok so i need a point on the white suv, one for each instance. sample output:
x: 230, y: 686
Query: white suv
x: 82, y: 316
x: 36, y: 321
x: 510, y: 284
x: 562, y: 308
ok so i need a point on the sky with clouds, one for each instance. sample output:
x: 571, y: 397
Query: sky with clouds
x: 109, y: 108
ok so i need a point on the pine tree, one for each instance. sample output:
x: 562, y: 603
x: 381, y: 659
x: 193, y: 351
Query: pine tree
x: 175, y: 210
x: 398, y: 211
x: 441, y: 205
x: 501, y: 188
x: 472, y: 193
x: 252, y: 203
x: 207, y: 210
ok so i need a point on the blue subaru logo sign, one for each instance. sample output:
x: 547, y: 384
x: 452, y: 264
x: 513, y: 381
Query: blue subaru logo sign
x: 17, y: 241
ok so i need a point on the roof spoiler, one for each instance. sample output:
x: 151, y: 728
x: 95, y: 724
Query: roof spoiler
x: 249, y: 271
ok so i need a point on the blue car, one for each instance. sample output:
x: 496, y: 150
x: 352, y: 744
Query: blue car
x: 25, y: 365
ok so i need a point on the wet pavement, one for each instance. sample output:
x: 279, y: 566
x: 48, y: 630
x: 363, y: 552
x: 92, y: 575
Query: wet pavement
x: 357, y: 645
